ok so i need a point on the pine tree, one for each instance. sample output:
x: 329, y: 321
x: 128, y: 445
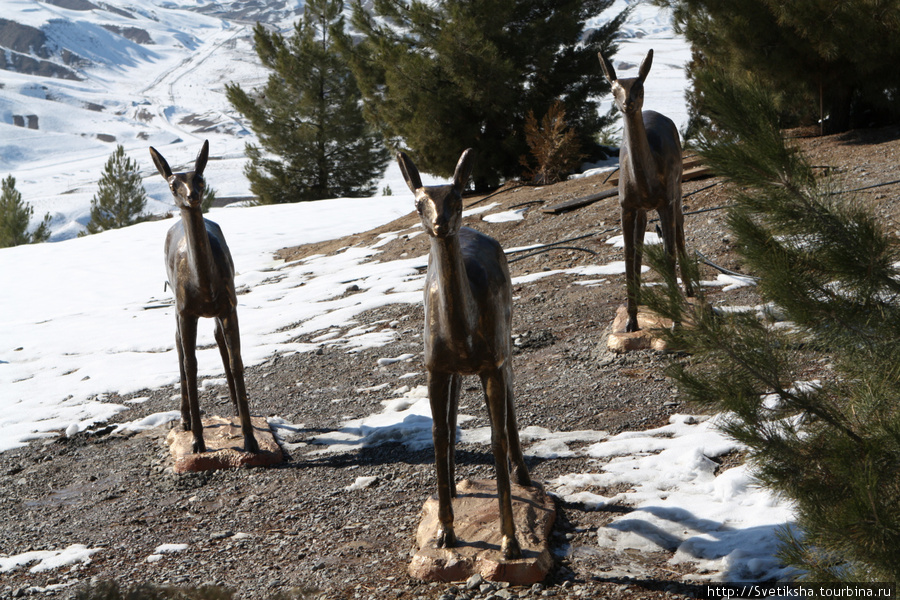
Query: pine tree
x: 825, y: 59
x: 121, y: 198
x: 209, y: 197
x: 442, y: 76
x: 314, y: 141
x: 15, y: 216
x: 831, y: 445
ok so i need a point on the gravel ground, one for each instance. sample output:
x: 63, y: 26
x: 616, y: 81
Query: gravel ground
x: 259, y: 531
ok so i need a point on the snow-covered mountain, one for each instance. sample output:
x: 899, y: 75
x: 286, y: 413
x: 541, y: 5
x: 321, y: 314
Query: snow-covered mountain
x: 82, y: 77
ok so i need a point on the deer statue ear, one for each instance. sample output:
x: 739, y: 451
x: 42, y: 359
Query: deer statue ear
x: 410, y: 172
x: 607, y: 67
x: 161, y: 165
x: 202, y: 157
x: 463, y: 170
x: 645, y: 66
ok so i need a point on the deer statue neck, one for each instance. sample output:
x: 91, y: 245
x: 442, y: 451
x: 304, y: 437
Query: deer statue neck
x: 450, y: 288
x: 199, y: 251
x: 640, y: 167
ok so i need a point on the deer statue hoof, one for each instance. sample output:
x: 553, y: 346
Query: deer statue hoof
x: 520, y: 476
x: 198, y: 446
x: 632, y: 325
x: 251, y: 445
x: 446, y: 538
x: 510, y: 548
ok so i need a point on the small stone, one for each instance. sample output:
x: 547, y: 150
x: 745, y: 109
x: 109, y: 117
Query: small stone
x: 474, y: 581
x: 220, y: 535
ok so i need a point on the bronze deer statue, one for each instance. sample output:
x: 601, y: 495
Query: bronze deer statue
x: 650, y: 168
x: 468, y: 321
x: 201, y: 274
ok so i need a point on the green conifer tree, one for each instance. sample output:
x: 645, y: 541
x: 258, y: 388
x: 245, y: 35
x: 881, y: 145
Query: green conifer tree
x: 209, y: 197
x: 450, y: 74
x: 825, y: 59
x: 313, y: 140
x: 831, y: 445
x: 120, y: 198
x: 15, y: 216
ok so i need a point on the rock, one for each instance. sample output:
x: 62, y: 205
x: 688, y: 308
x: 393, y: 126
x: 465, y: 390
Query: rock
x: 477, y: 526
x: 620, y: 342
x: 224, y: 446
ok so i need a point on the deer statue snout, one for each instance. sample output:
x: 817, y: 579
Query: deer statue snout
x: 195, y: 198
x: 439, y: 210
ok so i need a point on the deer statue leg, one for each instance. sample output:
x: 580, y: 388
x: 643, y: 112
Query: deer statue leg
x: 640, y: 230
x: 667, y: 226
x: 495, y: 390
x: 226, y: 362
x: 440, y: 398
x: 187, y: 329
x: 233, y: 342
x: 679, y: 244
x: 185, y: 401
x: 631, y: 281
x: 519, y: 471
x: 452, y: 412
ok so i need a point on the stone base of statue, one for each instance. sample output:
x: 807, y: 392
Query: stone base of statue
x: 224, y: 446
x: 645, y: 338
x: 477, y: 525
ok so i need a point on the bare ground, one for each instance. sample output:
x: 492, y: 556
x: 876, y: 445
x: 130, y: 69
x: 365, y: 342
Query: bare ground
x: 304, y: 530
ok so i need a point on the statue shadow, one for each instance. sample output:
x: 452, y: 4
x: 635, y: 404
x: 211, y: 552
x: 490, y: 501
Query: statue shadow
x: 750, y: 551
x: 407, y: 442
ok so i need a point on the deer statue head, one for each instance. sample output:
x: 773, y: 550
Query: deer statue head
x: 187, y: 188
x: 439, y: 206
x: 628, y: 94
